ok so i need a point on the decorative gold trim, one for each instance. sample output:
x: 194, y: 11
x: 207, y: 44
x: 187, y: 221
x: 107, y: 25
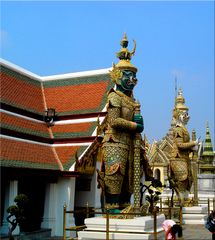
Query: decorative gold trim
x: 115, y: 74
x: 110, y: 206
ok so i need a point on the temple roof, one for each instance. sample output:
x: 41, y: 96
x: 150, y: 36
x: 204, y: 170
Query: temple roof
x: 159, y: 153
x: 21, y: 91
x: 78, y: 99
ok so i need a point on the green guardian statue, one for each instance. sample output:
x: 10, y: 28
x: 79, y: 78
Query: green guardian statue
x: 122, y: 123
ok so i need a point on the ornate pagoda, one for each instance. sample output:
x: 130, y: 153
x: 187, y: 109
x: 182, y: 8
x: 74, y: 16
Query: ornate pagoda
x: 207, y: 163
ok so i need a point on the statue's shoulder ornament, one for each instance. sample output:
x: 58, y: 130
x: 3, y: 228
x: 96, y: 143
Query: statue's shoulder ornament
x: 128, y: 101
x: 114, y: 99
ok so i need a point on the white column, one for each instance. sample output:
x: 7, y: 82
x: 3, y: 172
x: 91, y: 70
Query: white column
x: 65, y: 195
x: 10, y: 193
x: 58, y: 194
x: 49, y: 217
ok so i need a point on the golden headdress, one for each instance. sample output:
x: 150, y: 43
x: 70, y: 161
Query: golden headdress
x: 179, y: 104
x: 124, y: 60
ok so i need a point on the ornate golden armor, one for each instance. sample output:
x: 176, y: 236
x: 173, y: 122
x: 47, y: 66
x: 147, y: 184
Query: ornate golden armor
x: 180, y: 161
x: 123, y: 121
x: 117, y: 145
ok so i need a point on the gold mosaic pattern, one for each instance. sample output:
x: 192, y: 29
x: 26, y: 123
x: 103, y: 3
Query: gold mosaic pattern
x: 115, y: 159
x: 118, y: 140
x: 137, y: 171
x: 180, y: 161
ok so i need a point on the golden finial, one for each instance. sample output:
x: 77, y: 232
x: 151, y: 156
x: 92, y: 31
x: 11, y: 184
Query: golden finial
x: 124, y: 53
x: 124, y: 41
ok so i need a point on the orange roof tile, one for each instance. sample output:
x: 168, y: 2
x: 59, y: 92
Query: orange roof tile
x: 24, y: 154
x: 24, y: 125
x: 74, y: 130
x: 21, y: 93
x: 66, y: 154
x: 76, y: 99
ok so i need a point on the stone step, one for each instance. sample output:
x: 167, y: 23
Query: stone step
x: 195, y: 209
x: 195, y: 216
x: 194, y: 221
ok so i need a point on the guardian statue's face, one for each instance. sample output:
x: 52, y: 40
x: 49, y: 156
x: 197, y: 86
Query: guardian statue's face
x: 184, y: 117
x: 128, y: 80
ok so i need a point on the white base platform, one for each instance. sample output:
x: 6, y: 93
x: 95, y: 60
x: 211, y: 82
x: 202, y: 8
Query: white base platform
x: 137, y: 228
x: 194, y: 215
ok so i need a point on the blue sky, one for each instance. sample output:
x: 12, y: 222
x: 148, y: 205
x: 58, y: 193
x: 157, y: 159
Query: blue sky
x: 174, y: 39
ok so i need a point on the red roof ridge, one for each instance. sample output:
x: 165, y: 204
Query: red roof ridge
x: 57, y: 159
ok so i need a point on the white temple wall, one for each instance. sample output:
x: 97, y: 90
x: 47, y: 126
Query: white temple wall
x: 91, y: 197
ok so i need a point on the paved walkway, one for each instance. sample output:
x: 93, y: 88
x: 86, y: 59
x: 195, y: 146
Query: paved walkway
x: 190, y: 232
x: 196, y: 232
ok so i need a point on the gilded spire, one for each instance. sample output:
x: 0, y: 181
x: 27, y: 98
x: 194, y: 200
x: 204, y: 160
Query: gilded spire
x: 207, y: 147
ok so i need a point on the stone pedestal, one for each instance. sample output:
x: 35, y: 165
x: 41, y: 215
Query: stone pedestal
x: 194, y: 215
x: 206, y: 183
x: 137, y: 228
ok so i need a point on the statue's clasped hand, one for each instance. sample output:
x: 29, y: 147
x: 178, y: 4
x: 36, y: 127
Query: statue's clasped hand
x: 138, y: 119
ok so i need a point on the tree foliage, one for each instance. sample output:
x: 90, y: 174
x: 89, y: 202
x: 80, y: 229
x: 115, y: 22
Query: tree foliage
x: 16, y: 213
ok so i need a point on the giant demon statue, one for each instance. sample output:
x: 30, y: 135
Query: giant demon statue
x: 180, y: 165
x: 123, y: 122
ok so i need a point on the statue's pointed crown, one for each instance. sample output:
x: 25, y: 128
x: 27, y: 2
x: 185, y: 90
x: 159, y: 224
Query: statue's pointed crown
x: 180, y: 101
x: 179, y: 104
x: 124, y: 63
x: 125, y: 56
